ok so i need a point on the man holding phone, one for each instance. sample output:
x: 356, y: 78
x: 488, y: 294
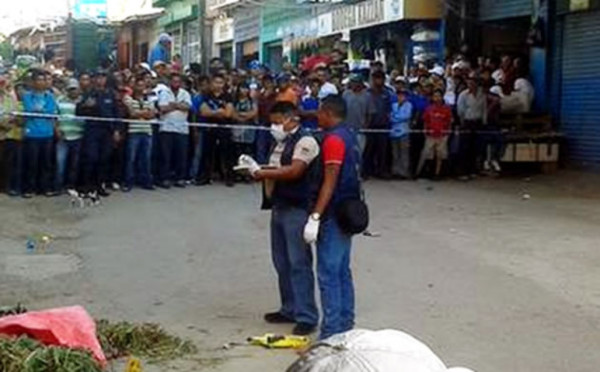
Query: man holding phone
x: 288, y: 179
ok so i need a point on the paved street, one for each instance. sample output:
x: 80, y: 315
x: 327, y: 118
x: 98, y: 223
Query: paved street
x: 489, y: 280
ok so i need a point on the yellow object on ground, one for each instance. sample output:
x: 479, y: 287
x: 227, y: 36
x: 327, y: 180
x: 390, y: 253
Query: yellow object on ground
x: 273, y: 341
x: 133, y: 365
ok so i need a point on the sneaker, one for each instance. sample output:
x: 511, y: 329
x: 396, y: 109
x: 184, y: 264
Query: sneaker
x: 126, y: 189
x: 496, y: 166
x: 164, y: 185
x: 202, y: 182
x: 149, y: 187
x: 180, y: 184
x: 51, y: 194
x: 277, y: 318
x: 103, y: 192
x: 115, y: 186
x: 486, y: 166
x: 304, y: 329
x: 13, y: 193
x: 229, y: 183
x: 27, y: 195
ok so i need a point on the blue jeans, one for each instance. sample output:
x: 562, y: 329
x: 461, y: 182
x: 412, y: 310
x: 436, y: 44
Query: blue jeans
x: 335, y: 279
x: 139, y: 152
x: 196, y: 165
x: 13, y: 153
x: 490, y: 137
x: 67, y: 164
x: 96, y: 152
x: 293, y: 259
x: 173, y: 160
x: 38, y: 161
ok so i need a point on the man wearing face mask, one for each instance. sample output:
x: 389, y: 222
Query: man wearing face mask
x: 287, y: 183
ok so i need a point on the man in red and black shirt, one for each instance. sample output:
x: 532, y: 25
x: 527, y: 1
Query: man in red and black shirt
x: 437, y: 119
x: 339, y: 182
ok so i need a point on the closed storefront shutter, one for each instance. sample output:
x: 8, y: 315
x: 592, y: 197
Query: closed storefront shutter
x: 580, y: 82
x: 494, y: 9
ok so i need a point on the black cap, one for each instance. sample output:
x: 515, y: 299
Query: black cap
x: 378, y: 75
x: 100, y: 72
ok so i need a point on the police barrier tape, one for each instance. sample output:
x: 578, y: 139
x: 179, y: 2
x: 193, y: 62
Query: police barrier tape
x: 531, y: 136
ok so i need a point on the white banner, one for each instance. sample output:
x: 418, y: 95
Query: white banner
x: 222, y: 30
x: 325, y: 24
x: 393, y: 10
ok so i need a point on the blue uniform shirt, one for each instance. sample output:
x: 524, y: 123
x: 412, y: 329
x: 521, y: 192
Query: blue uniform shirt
x: 197, y: 100
x: 310, y: 103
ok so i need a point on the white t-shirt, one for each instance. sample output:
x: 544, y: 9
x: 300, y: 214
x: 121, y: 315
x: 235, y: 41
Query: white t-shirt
x: 327, y: 89
x: 526, y: 93
x: 155, y: 93
x: 499, y: 76
x: 174, y: 121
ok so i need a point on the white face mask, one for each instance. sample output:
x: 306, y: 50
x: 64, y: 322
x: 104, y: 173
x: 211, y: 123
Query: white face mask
x: 278, y: 132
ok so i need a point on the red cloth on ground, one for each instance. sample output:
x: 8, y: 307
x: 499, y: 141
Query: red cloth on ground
x: 70, y: 327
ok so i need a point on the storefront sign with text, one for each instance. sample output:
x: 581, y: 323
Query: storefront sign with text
x: 358, y: 15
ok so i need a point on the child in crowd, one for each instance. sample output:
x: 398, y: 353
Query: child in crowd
x: 490, y: 141
x: 437, y: 120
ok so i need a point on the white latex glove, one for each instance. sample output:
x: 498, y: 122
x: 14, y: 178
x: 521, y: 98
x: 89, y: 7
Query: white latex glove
x: 311, y: 230
x: 247, y: 163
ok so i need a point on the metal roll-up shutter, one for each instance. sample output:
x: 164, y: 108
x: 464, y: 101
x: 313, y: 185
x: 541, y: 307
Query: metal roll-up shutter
x: 580, y: 103
x: 490, y: 10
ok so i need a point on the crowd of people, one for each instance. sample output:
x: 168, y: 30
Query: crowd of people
x: 310, y: 134
x: 120, y: 129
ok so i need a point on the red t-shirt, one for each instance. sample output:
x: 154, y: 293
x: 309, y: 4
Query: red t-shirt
x: 333, y: 149
x: 437, y: 120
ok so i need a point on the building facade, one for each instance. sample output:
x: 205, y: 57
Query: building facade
x: 575, y: 77
x: 49, y: 41
x: 135, y: 35
x: 369, y: 29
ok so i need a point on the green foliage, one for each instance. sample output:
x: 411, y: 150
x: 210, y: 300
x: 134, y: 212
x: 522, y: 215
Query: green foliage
x: 27, y: 355
x: 141, y: 340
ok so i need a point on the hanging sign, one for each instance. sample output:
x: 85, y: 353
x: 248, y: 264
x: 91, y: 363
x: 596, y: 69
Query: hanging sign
x: 223, y: 30
x: 358, y: 15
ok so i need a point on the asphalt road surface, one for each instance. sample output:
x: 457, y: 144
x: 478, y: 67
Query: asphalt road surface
x: 489, y: 279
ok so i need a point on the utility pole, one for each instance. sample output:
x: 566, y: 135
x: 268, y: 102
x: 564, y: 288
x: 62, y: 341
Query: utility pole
x: 205, y: 35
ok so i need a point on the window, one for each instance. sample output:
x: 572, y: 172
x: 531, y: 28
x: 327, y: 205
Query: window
x: 191, y: 52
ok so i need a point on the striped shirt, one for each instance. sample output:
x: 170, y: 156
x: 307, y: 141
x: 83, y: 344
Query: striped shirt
x: 71, y: 128
x: 134, y: 105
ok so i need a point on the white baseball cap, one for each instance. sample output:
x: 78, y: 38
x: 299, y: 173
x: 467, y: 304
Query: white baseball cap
x: 437, y: 70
